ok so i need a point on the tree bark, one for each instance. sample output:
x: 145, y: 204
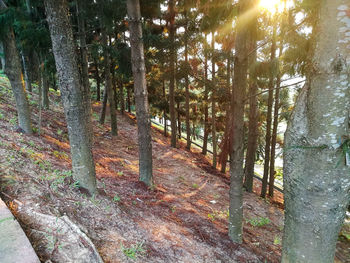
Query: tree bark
x: 98, y: 81
x: 213, y: 102
x: 253, y: 130
x: 76, y: 105
x: 172, y: 72
x: 141, y: 94
x: 128, y: 92
x: 187, y: 107
x: 240, y: 83
x: 108, y: 77
x: 206, y: 97
x: 178, y: 120
x: 104, y: 106
x: 316, y: 173
x: 45, y: 91
x: 164, y: 114
x: 269, y: 114
x: 13, y: 70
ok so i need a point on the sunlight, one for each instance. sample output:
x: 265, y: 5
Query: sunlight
x: 272, y: 5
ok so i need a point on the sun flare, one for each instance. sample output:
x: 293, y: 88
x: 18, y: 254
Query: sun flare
x: 272, y: 6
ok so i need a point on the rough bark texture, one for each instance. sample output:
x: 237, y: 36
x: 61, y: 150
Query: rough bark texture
x: 104, y: 106
x: 253, y: 117
x: 13, y: 70
x: 213, y: 102
x: 27, y: 73
x: 316, y: 178
x: 240, y: 83
x: 269, y: 116
x: 76, y: 105
x: 172, y: 72
x: 98, y: 81
x: 141, y: 94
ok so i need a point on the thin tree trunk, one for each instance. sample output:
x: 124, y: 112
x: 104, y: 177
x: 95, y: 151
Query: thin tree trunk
x: 237, y: 154
x: 26, y: 69
x: 178, y: 120
x: 45, y: 91
x: 164, y: 114
x: 187, y: 107
x: 140, y: 90
x: 108, y: 77
x: 213, y: 102
x: 269, y: 114
x: 129, y: 99
x: 316, y: 170
x: 253, y: 116
x: 98, y: 81
x: 171, y: 4
x: 76, y: 105
x: 206, y: 97
x: 13, y: 70
x: 104, y: 106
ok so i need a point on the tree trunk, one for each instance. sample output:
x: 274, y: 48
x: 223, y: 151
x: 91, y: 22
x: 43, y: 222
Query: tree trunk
x: 316, y: 170
x: 206, y: 97
x: 76, y: 105
x: 45, y: 91
x: 121, y: 98
x: 253, y: 129
x: 269, y: 114
x: 26, y: 69
x: 13, y: 70
x: 213, y: 102
x: 108, y: 77
x: 104, y: 106
x: 178, y: 120
x: 2, y: 59
x: 172, y: 72
x: 187, y: 107
x: 141, y: 94
x: 128, y: 91
x: 240, y: 83
x: 98, y: 82
x: 164, y: 114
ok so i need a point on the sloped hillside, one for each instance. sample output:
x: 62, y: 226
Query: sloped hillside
x: 182, y: 218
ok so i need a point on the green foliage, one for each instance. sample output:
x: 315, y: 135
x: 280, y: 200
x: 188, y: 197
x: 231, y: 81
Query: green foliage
x: 116, y: 198
x: 133, y: 251
x: 258, y: 221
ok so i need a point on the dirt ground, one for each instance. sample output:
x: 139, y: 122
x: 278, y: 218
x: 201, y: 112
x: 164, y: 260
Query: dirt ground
x: 183, y: 218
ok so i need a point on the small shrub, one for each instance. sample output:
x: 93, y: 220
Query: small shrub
x: 134, y: 251
x: 259, y: 221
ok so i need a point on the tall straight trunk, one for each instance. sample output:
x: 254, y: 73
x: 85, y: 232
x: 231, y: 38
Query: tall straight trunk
x: 104, y: 106
x: 225, y: 149
x: 240, y: 83
x: 80, y: 5
x: 171, y: 7
x: 164, y: 113
x: 98, y: 81
x: 316, y: 168
x: 108, y: 77
x: 253, y: 129
x: 269, y: 114
x: 45, y: 90
x: 76, y: 105
x: 187, y: 107
x: 206, y: 97
x: 178, y: 120
x: 121, y: 98
x: 128, y: 91
x: 2, y: 59
x: 13, y: 70
x: 213, y: 102
x: 141, y: 94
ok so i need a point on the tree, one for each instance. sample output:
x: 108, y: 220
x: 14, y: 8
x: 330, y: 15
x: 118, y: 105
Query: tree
x: 240, y: 82
x: 76, y: 104
x: 13, y: 70
x: 316, y: 172
x: 141, y: 94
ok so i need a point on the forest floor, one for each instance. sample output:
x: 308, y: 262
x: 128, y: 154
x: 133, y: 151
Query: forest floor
x: 183, y: 218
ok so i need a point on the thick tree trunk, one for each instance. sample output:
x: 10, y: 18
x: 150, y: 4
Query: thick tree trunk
x: 206, y: 111
x: 269, y: 114
x: 316, y: 172
x: 141, y: 94
x: 213, y: 102
x: 253, y: 129
x: 108, y: 77
x: 240, y: 83
x: 13, y: 70
x: 76, y: 105
x: 172, y: 72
